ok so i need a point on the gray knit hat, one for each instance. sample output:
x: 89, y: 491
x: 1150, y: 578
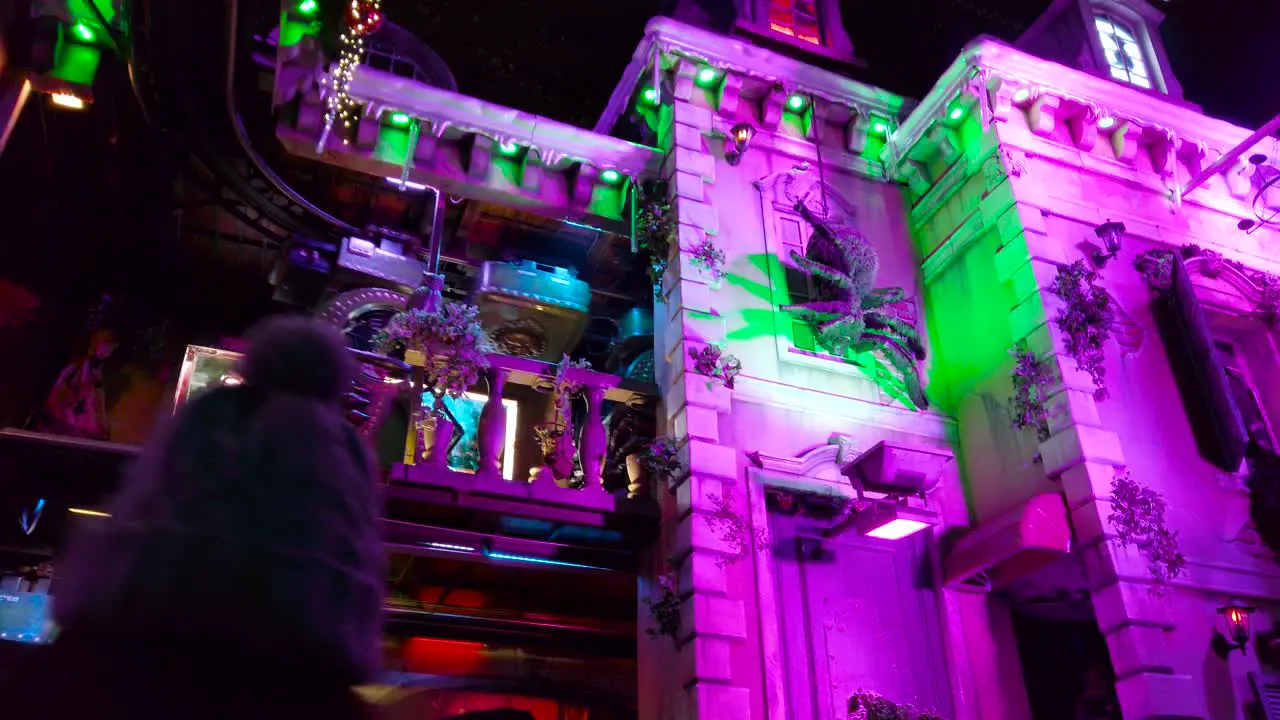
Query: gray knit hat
x: 251, y: 517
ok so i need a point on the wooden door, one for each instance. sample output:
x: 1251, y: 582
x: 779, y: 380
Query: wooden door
x: 858, y: 613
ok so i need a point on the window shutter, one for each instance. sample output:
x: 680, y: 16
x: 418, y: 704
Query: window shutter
x: 1206, y: 394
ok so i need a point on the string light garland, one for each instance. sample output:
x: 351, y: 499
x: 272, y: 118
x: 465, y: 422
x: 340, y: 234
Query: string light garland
x: 363, y: 18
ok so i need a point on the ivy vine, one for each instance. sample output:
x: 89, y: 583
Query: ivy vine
x: 1086, y: 319
x: 1138, y: 519
x: 868, y: 705
x: 734, y: 530
x: 1031, y: 383
x: 665, y: 609
x: 713, y: 362
x: 662, y: 459
x: 656, y: 231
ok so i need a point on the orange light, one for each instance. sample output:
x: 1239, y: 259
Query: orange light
x: 68, y: 101
x: 1236, y: 615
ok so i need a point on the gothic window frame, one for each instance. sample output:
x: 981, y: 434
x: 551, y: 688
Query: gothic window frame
x: 1138, y: 18
x: 800, y: 19
x: 786, y: 230
x: 1124, y: 52
x: 833, y: 42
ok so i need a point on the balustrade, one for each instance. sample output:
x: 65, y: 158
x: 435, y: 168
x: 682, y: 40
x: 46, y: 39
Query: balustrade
x: 599, y: 448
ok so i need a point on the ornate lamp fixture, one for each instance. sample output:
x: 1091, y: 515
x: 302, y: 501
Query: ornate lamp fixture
x: 1111, y: 234
x: 1236, y: 615
x: 897, y: 472
x: 737, y: 142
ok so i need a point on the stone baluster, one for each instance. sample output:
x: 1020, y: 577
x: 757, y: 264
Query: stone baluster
x: 594, y: 439
x: 492, y: 430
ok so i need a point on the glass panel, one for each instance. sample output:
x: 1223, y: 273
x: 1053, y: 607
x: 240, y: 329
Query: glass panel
x: 1125, y: 57
x: 797, y: 18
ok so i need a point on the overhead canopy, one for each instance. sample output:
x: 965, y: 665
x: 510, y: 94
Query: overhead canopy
x: 1011, y: 546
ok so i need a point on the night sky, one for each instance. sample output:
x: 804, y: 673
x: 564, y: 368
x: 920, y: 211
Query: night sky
x: 562, y: 58
x: 90, y: 203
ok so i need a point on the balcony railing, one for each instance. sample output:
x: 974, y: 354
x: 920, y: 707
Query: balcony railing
x: 492, y: 446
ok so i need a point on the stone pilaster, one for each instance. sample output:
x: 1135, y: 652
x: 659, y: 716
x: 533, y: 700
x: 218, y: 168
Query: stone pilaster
x: 713, y: 614
x: 1085, y: 457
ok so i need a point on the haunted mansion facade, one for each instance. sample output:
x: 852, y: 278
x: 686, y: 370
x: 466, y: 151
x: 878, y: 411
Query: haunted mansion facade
x: 1021, y: 207
x: 955, y: 385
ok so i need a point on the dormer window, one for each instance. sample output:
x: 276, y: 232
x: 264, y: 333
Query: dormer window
x: 796, y: 18
x: 1126, y: 59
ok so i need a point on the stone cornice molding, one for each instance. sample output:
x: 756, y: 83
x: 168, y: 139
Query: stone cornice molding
x: 557, y: 143
x: 666, y: 41
x: 990, y: 68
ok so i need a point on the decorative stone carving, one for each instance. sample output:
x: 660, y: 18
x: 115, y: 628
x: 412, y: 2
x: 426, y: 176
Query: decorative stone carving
x: 1043, y: 115
x: 801, y: 184
x: 993, y: 172
x: 1127, y: 332
x: 1126, y: 141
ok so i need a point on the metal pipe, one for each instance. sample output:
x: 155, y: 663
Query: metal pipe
x: 242, y: 135
x: 1231, y: 156
x: 436, y: 241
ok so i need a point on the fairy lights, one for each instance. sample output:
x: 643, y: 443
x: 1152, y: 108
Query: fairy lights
x: 363, y: 17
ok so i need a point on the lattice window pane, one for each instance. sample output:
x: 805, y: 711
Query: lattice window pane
x: 1126, y: 60
x: 797, y: 18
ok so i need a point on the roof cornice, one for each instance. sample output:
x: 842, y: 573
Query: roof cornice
x: 999, y: 64
x: 673, y: 40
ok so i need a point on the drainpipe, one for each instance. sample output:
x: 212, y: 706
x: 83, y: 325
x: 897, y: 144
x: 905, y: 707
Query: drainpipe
x: 436, y: 241
x: 1231, y: 157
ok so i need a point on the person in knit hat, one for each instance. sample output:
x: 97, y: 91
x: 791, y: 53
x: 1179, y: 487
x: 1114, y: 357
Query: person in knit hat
x: 240, y: 573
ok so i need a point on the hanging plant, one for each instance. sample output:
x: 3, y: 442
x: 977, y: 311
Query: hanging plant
x: 867, y: 705
x: 655, y: 231
x: 1138, y: 519
x: 448, y: 334
x: 716, y: 364
x: 665, y: 609
x: 1156, y: 268
x: 1086, y: 320
x: 848, y: 312
x: 662, y: 459
x: 1031, y: 382
x: 709, y: 259
x: 734, y: 530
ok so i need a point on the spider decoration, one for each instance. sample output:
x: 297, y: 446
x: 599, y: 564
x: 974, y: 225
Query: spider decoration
x: 847, y: 310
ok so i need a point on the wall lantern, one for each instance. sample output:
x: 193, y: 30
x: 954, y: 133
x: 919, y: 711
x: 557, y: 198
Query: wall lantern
x: 1111, y: 234
x: 738, y: 141
x: 1236, y: 617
